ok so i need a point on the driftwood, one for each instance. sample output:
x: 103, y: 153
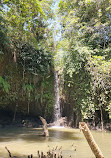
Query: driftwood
x: 94, y: 147
x: 46, y: 132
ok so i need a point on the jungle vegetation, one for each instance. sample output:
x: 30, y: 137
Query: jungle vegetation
x: 29, y: 54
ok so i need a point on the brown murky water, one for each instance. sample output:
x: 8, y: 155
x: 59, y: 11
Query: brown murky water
x: 24, y: 141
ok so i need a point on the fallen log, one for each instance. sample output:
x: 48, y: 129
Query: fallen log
x: 45, y: 129
x: 94, y: 147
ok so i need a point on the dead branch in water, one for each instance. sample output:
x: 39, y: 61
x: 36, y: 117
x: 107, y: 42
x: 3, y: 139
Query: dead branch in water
x: 46, y: 132
x: 10, y: 155
x: 94, y: 147
x: 54, y: 153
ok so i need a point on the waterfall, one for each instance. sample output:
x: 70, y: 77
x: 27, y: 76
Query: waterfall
x: 57, y: 113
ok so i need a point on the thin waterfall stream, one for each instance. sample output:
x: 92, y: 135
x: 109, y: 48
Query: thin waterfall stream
x: 57, y: 113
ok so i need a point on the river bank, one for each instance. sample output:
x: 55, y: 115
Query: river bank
x: 35, y: 122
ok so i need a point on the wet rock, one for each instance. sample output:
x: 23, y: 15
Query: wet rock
x: 62, y: 122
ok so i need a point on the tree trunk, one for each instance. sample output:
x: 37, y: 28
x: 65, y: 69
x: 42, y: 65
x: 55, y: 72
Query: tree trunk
x: 94, y: 147
x: 15, y: 56
x: 28, y: 107
x: 46, y: 132
x: 102, y: 127
x: 77, y: 120
x: 15, y: 112
x: 23, y: 74
x: 71, y: 120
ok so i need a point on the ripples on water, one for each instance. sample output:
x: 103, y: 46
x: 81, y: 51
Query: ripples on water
x: 24, y: 141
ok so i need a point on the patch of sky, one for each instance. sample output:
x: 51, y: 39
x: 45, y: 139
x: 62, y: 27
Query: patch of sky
x: 5, y: 7
x: 55, y: 24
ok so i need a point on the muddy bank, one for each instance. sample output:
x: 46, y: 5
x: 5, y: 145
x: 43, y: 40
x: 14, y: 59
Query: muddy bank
x: 30, y: 122
x: 6, y: 119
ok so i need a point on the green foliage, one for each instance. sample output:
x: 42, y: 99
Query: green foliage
x: 4, y: 41
x: 4, y: 85
x: 27, y: 19
x: 28, y: 87
x: 34, y: 60
x: 82, y: 56
x: 100, y: 70
x: 24, y: 28
x: 86, y: 42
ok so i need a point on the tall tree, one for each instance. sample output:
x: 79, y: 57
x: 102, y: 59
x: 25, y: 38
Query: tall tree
x: 86, y: 40
x: 29, y: 35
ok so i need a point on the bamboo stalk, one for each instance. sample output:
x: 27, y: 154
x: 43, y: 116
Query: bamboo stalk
x: 94, y: 147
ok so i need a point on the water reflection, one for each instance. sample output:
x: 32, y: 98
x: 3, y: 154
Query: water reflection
x: 34, y: 135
